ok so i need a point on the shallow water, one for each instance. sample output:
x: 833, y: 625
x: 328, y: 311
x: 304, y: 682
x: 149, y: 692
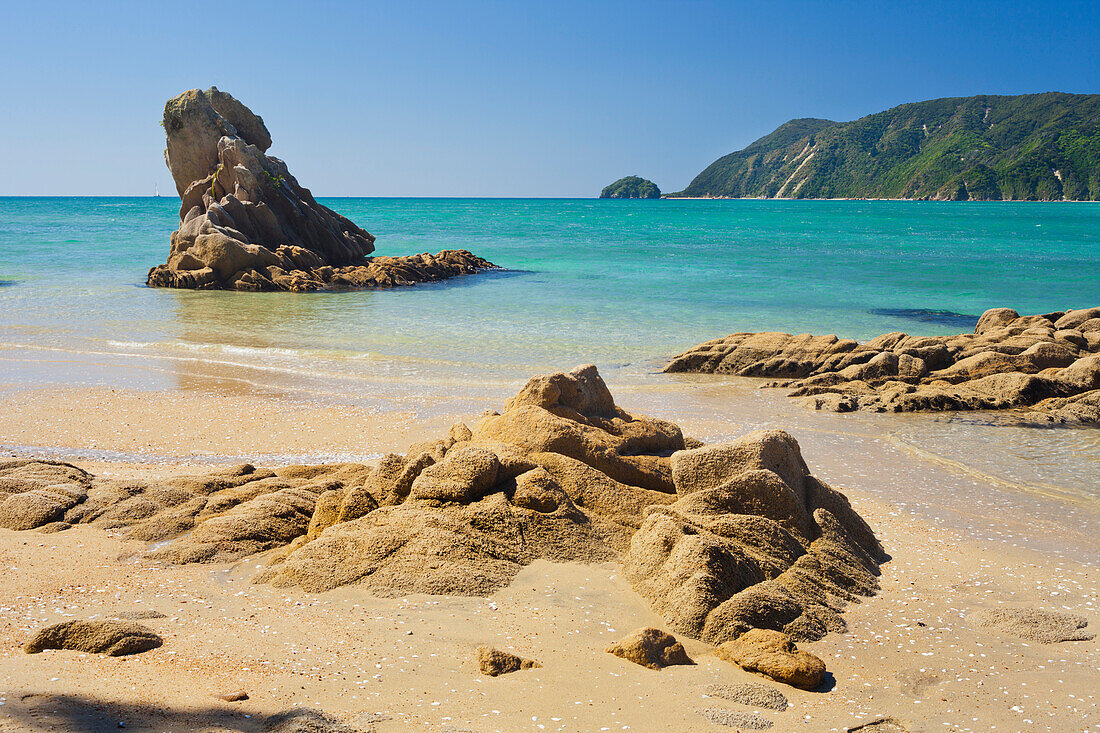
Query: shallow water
x: 623, y: 284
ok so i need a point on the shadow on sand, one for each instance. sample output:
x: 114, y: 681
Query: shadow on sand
x: 82, y: 714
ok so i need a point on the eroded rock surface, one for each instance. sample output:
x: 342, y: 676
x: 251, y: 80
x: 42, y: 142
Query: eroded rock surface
x: 1048, y: 364
x: 112, y: 637
x: 246, y: 223
x: 720, y: 539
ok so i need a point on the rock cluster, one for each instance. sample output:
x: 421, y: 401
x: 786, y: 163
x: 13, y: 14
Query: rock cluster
x: 1049, y: 364
x: 246, y: 223
x: 111, y: 637
x: 720, y: 539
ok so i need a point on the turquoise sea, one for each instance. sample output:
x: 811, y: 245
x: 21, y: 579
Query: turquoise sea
x: 624, y: 284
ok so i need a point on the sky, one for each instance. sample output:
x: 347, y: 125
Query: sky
x: 546, y: 99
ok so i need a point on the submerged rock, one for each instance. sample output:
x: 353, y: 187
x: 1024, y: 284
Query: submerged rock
x: 772, y: 653
x: 495, y: 662
x: 1047, y: 364
x: 246, y: 223
x: 651, y: 648
x: 720, y: 539
x: 111, y: 637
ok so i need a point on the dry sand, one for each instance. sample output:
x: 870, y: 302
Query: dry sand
x: 961, y: 539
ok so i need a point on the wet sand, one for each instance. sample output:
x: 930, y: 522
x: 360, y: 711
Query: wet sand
x: 975, y: 515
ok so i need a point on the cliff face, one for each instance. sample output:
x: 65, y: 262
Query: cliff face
x: 1043, y: 147
x: 631, y: 187
x: 246, y: 223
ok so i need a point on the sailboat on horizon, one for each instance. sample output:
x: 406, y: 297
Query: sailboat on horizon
x: 156, y: 191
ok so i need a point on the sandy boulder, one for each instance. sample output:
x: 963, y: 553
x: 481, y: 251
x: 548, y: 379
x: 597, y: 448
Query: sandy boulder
x: 111, y: 637
x: 651, y: 648
x: 773, y: 654
x: 495, y: 662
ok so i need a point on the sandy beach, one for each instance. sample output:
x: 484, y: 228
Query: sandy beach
x: 959, y: 540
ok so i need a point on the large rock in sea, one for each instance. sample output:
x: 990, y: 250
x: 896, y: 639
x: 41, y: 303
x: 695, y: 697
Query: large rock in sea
x: 720, y: 539
x: 246, y: 223
x: 1048, y: 365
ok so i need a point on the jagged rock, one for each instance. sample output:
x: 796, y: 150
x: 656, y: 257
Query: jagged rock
x: 495, y: 662
x: 1047, y: 364
x: 246, y: 223
x: 721, y: 539
x: 111, y: 637
x: 773, y: 654
x: 651, y: 648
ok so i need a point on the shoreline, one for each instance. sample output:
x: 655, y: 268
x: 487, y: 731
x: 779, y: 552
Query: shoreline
x: 962, y: 536
x: 911, y: 652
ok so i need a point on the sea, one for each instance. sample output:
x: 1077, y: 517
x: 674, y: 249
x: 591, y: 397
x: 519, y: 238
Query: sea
x: 621, y: 284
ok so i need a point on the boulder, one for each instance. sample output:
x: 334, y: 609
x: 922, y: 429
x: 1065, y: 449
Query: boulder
x: 773, y: 654
x: 495, y: 662
x: 111, y: 637
x: 651, y: 648
x: 247, y: 224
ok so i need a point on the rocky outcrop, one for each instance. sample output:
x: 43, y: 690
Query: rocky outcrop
x: 650, y: 648
x: 720, y: 539
x: 111, y: 637
x: 1047, y: 364
x: 246, y: 223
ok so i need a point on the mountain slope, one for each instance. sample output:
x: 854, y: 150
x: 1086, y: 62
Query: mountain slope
x: 1027, y: 147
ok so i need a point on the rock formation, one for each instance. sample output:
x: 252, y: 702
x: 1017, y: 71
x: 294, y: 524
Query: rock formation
x: 111, y: 637
x: 650, y: 648
x: 1048, y: 364
x: 246, y: 224
x: 720, y: 539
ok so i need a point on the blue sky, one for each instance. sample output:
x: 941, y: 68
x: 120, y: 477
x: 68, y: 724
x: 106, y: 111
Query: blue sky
x: 497, y: 98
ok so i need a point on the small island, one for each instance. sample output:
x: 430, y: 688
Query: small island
x: 631, y: 187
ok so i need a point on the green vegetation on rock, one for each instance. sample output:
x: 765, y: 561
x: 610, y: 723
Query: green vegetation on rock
x: 631, y: 187
x: 1035, y: 147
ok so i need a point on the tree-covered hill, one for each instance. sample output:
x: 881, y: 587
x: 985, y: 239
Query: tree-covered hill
x: 631, y: 187
x: 1028, y: 147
